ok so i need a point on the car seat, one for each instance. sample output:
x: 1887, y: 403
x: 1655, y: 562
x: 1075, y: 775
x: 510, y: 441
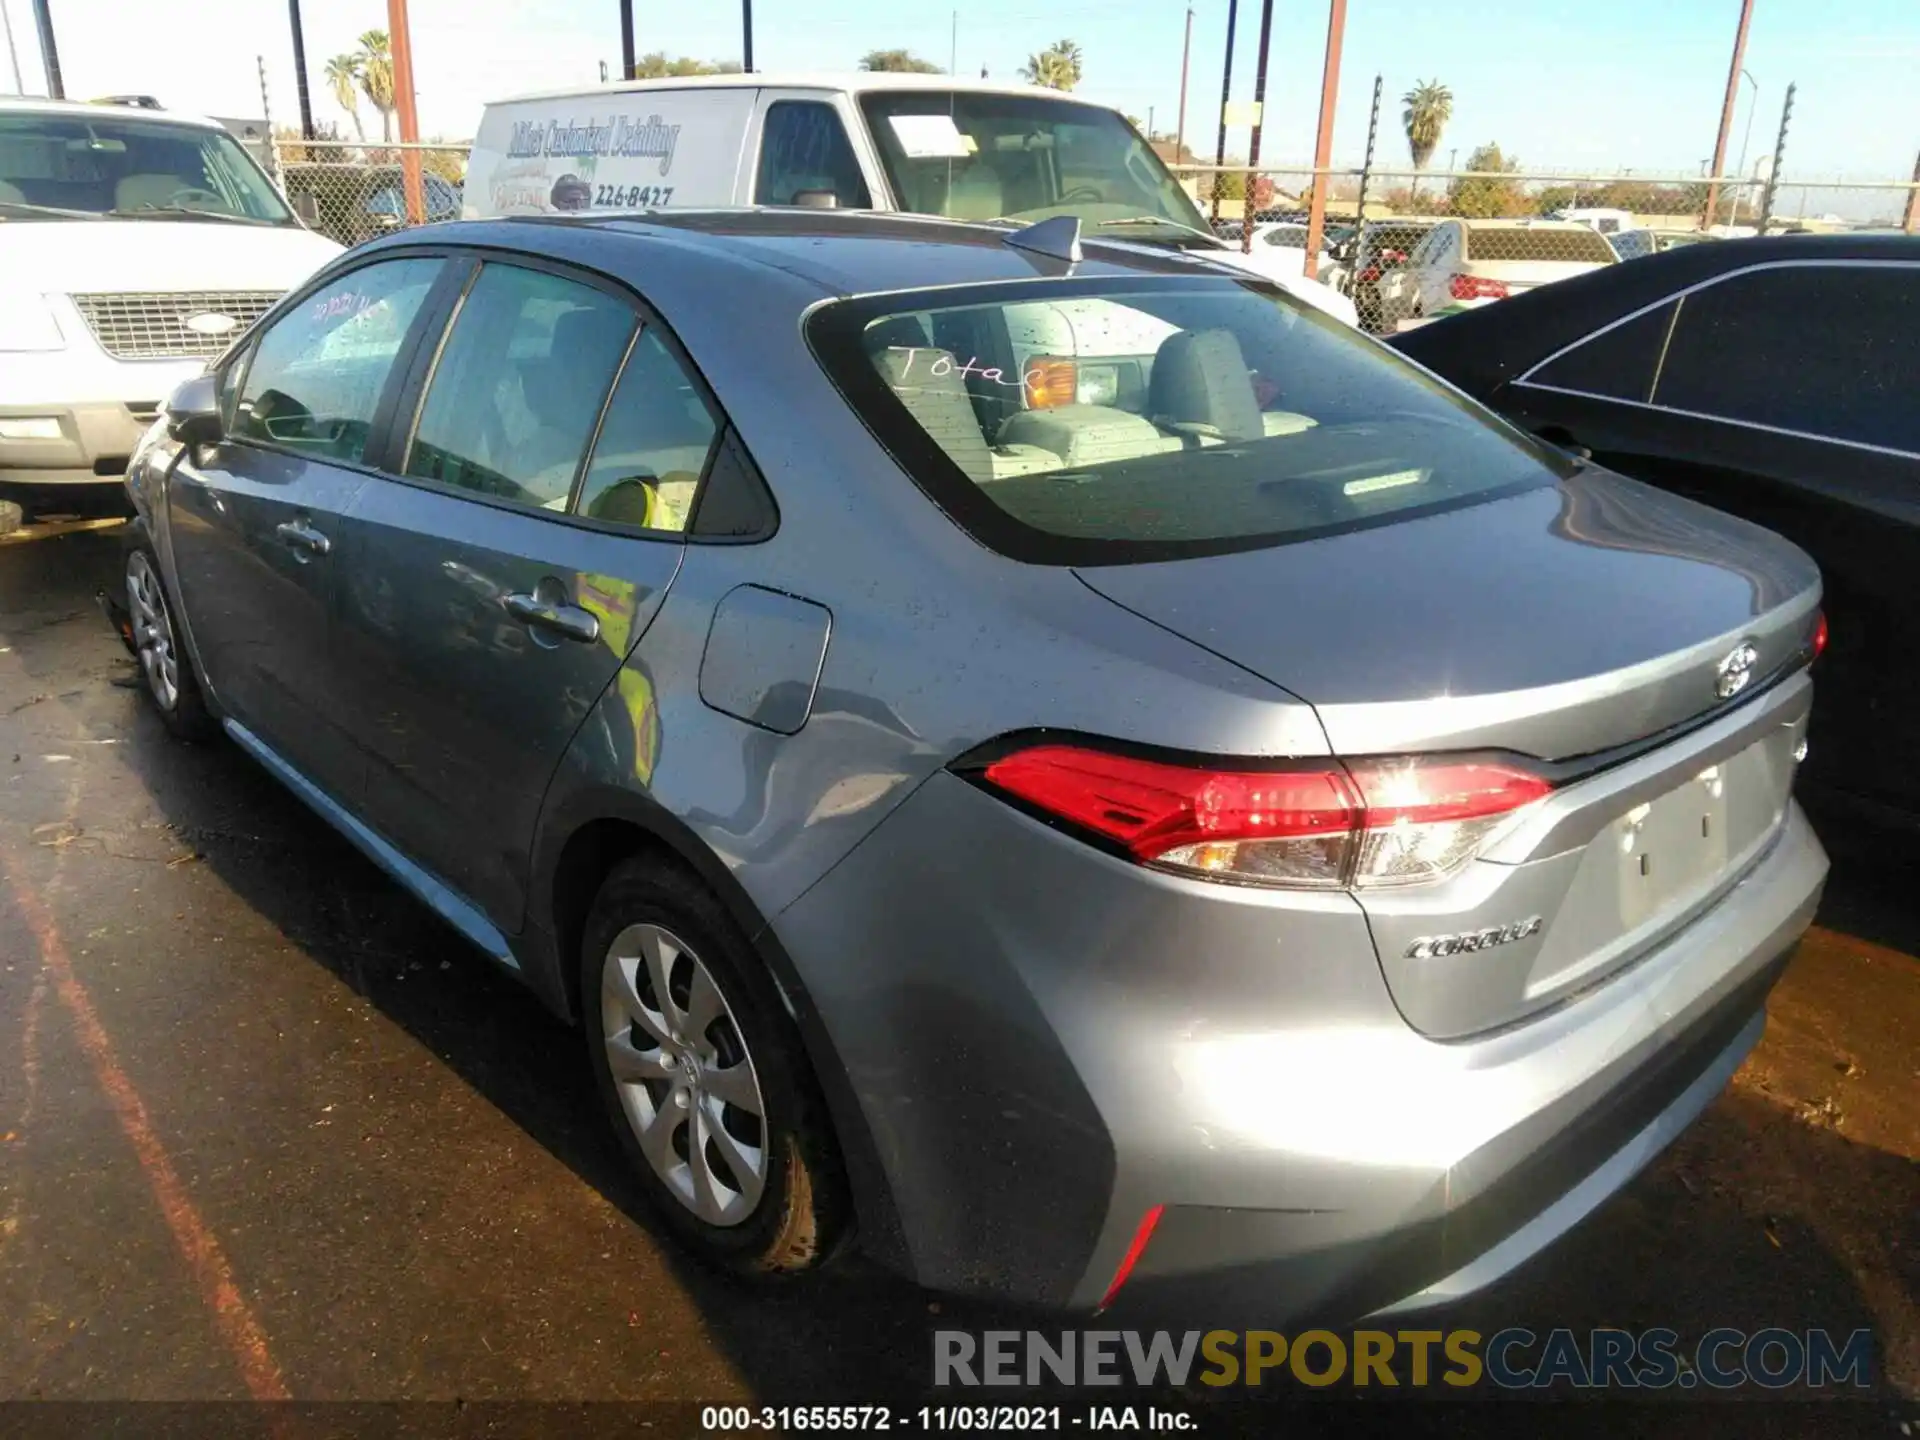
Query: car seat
x: 1201, y: 388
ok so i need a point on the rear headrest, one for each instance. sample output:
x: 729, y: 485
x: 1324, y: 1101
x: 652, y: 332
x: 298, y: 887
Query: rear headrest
x: 939, y: 403
x: 586, y: 345
x: 1200, y: 378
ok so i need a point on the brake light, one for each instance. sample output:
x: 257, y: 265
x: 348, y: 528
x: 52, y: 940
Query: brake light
x: 1374, y: 822
x: 1050, y: 382
x: 1820, y: 635
x: 1372, y: 272
x: 1476, y: 287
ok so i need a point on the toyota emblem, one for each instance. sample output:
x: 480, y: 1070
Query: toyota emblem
x: 1733, y: 674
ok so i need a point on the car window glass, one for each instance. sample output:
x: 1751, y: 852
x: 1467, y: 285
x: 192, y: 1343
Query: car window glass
x: 653, y: 444
x: 318, y: 371
x: 804, y: 147
x: 518, y: 386
x: 1830, y: 350
x: 1618, y: 363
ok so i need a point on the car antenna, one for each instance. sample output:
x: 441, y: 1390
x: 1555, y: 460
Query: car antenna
x: 1058, y: 238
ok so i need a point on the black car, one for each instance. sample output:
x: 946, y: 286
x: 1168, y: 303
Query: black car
x: 1778, y: 379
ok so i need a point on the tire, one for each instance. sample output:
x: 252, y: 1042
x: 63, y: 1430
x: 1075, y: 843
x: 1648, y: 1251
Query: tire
x: 164, y: 662
x: 771, y: 1209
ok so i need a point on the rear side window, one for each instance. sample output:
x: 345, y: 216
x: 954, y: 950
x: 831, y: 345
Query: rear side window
x: 1619, y: 363
x: 519, y: 385
x: 1828, y: 350
x: 1090, y: 422
x: 319, y: 370
x: 804, y: 148
x: 653, y: 446
x: 1520, y: 242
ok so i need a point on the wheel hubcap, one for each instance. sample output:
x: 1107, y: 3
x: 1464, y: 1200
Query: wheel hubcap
x: 152, y: 631
x: 686, y: 1081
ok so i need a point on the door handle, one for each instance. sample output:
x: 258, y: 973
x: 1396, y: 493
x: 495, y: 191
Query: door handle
x: 298, y: 535
x: 570, y: 622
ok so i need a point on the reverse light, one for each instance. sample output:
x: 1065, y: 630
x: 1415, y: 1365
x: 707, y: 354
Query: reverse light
x: 1325, y: 826
x: 1476, y: 287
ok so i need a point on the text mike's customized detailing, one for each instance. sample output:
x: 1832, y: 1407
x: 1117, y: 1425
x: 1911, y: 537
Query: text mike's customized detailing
x: 621, y: 135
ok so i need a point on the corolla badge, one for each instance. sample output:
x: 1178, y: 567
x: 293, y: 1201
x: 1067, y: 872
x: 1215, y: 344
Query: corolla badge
x: 1733, y: 674
x: 210, y: 323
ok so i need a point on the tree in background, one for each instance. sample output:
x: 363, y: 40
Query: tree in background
x: 898, y: 62
x: 660, y: 65
x: 1489, y: 198
x: 376, y: 77
x: 1429, y: 106
x: 343, y: 78
x: 1057, y: 67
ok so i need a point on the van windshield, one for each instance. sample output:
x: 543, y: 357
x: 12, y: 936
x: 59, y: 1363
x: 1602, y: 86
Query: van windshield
x: 55, y: 166
x: 1108, y: 421
x: 972, y: 155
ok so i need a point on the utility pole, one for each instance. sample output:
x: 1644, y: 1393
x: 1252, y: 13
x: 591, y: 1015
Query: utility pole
x: 49, y: 52
x: 626, y: 40
x: 1323, y: 139
x: 1366, y: 164
x: 953, y: 45
x: 1226, y: 94
x: 19, y: 87
x: 1247, y: 206
x: 1911, y: 221
x: 746, y: 34
x: 400, y: 38
x: 1726, y: 113
x: 1746, y: 138
x: 300, y: 69
x: 1179, y: 125
x: 1779, y: 154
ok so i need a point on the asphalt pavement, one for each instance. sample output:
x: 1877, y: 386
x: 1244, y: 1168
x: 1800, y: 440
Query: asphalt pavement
x: 269, y: 1131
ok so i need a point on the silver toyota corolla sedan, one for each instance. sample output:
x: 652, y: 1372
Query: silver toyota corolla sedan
x: 1065, y: 763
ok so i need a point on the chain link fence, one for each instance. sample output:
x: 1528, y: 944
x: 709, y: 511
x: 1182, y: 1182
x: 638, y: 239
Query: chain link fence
x: 352, y: 191
x: 1407, y: 246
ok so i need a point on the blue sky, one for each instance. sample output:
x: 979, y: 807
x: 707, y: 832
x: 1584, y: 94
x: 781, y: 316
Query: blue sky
x: 1561, y: 83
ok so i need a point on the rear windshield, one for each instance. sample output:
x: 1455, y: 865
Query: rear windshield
x: 1574, y: 243
x: 1099, y: 422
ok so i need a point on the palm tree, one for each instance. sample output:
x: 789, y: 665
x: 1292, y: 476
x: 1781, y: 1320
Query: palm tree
x: 1057, y: 67
x: 1429, y: 105
x: 376, y: 77
x: 343, y: 78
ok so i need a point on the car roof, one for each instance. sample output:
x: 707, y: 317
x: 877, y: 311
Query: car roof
x: 34, y: 105
x: 1481, y: 349
x: 840, y: 253
x: 853, y: 81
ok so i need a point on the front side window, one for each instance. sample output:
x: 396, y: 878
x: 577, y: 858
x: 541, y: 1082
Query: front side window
x: 978, y: 156
x: 518, y: 386
x: 113, y: 164
x: 804, y: 150
x: 318, y: 371
x: 1829, y: 350
x: 1100, y: 422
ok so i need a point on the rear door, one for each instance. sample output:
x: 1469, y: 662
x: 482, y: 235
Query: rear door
x: 255, y: 521
x: 495, y: 580
x: 1732, y: 395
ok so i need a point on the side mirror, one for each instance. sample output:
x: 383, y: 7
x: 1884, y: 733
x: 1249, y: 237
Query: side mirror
x: 193, y: 412
x: 307, y: 207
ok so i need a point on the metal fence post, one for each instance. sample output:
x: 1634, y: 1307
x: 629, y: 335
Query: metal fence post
x: 1911, y: 220
x: 1366, y: 163
x: 1779, y: 153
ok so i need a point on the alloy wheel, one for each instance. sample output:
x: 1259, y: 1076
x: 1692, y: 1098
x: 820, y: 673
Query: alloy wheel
x: 685, y: 1079
x: 153, y: 630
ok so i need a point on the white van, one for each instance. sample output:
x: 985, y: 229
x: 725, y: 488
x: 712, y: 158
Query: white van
x: 866, y: 141
x: 134, y: 246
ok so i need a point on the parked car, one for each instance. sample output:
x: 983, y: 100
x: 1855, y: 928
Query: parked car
x: 135, y: 245
x: 896, y: 764
x: 352, y: 203
x: 1773, y: 378
x: 1381, y: 248
x: 870, y: 140
x: 1289, y: 240
x: 1463, y: 264
x: 1633, y: 244
x: 1599, y: 218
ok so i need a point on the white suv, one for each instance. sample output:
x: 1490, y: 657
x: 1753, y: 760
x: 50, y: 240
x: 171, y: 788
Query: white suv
x: 134, y: 246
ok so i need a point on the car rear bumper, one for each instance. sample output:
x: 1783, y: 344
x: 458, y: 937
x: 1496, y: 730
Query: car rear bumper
x: 1046, y: 1043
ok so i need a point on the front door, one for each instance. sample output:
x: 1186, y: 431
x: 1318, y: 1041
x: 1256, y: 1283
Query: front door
x: 255, y: 521
x: 493, y: 587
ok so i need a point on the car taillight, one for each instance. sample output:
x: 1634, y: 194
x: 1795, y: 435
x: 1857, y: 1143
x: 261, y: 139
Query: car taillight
x: 1820, y: 635
x: 1476, y: 287
x: 1372, y: 272
x: 1323, y: 826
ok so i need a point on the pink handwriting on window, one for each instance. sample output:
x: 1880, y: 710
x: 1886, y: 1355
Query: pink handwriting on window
x: 350, y: 302
x: 944, y: 364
